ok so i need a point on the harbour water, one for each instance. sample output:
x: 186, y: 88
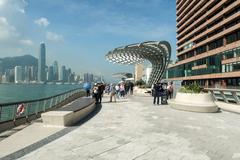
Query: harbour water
x: 22, y: 92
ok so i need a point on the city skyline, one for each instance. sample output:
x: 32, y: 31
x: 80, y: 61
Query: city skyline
x: 83, y: 32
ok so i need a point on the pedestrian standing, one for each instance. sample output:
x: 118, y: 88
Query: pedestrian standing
x: 131, y: 88
x: 170, y: 90
x: 95, y: 93
x: 101, y: 88
x: 112, y: 93
x: 157, y: 91
x: 122, y: 90
x: 117, y: 91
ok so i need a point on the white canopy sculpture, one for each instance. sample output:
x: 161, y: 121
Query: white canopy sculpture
x: 158, y: 53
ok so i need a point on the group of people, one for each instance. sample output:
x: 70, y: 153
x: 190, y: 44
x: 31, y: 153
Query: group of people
x: 97, y: 92
x: 160, y: 90
x: 119, y: 90
x: 122, y: 89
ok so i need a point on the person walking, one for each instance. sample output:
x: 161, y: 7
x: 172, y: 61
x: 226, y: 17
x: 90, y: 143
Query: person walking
x: 157, y: 90
x: 170, y: 90
x: 117, y: 91
x: 95, y: 93
x: 101, y: 88
x: 131, y: 88
x: 112, y: 92
x: 122, y: 90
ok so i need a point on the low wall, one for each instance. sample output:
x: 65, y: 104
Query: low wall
x: 70, y: 114
x: 194, y: 102
x: 11, y: 124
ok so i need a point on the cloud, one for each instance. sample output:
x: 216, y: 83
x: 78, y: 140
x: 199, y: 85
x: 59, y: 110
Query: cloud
x: 13, y: 6
x: 42, y: 22
x: 2, y: 3
x: 54, y: 37
x: 26, y: 42
x: 7, y: 31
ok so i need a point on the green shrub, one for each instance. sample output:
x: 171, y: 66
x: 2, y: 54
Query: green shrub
x: 140, y: 82
x: 192, y: 88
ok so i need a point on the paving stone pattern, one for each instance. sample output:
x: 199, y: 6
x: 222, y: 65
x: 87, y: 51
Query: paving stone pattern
x: 135, y: 129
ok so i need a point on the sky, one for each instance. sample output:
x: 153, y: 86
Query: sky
x: 79, y: 33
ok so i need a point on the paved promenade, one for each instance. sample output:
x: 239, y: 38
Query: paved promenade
x: 135, y: 129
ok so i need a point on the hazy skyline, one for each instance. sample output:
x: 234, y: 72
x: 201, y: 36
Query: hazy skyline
x: 78, y: 33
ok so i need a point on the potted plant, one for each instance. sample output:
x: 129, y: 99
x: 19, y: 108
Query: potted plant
x: 192, y: 98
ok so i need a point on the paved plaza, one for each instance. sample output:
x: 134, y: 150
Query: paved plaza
x: 135, y: 129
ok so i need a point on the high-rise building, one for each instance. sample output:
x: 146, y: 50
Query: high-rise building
x: 62, y: 74
x: 55, y: 71
x: 42, y: 63
x: 87, y: 77
x: 18, y: 74
x: 27, y: 74
x: 33, y: 75
x: 208, y: 43
x: 138, y: 71
x: 50, y: 75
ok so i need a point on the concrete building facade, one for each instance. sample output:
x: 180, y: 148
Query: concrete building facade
x: 208, y: 43
x: 138, y: 72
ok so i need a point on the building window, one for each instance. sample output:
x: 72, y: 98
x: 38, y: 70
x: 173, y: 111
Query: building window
x: 201, y: 49
x: 233, y: 37
x: 216, y: 44
x: 190, y: 54
x: 228, y: 54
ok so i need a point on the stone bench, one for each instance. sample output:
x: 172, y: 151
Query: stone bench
x: 70, y: 113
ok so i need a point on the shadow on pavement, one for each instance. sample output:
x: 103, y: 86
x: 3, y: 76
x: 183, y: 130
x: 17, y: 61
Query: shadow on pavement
x: 41, y: 143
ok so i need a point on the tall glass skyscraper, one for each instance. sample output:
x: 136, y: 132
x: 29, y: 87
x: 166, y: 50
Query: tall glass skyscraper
x: 55, y: 71
x: 42, y: 63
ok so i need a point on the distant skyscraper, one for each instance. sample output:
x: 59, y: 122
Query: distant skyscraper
x: 62, y: 74
x: 32, y: 73
x: 50, y: 74
x: 42, y: 63
x: 27, y: 74
x: 55, y: 71
x: 18, y: 74
x: 88, y: 77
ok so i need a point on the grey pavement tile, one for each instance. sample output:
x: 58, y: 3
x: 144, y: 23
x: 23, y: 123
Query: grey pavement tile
x: 134, y: 128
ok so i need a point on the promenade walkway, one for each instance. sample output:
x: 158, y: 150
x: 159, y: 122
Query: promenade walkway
x: 135, y: 129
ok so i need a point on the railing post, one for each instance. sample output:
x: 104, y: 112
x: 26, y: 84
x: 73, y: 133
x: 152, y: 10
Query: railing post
x: 224, y: 97
x: 234, y: 94
x: 0, y: 113
x: 26, y: 111
x: 51, y: 103
x: 36, y: 108
x: 14, y: 113
x: 213, y: 95
x: 44, y: 105
x: 56, y: 98
x: 65, y: 96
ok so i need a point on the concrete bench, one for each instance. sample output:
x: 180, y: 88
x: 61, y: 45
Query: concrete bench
x: 70, y: 113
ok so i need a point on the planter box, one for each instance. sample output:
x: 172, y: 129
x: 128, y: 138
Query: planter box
x: 195, y: 102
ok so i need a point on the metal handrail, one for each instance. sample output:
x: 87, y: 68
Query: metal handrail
x: 10, y: 111
x: 35, y: 100
x: 231, y: 96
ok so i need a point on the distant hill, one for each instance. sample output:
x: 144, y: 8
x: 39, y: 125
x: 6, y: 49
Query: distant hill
x: 11, y: 62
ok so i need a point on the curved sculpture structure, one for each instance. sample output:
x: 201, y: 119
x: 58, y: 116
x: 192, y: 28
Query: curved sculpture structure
x: 123, y: 75
x: 158, y: 53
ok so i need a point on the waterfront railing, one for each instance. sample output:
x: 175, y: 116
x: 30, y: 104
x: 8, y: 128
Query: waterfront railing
x: 24, y: 109
x: 231, y: 96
